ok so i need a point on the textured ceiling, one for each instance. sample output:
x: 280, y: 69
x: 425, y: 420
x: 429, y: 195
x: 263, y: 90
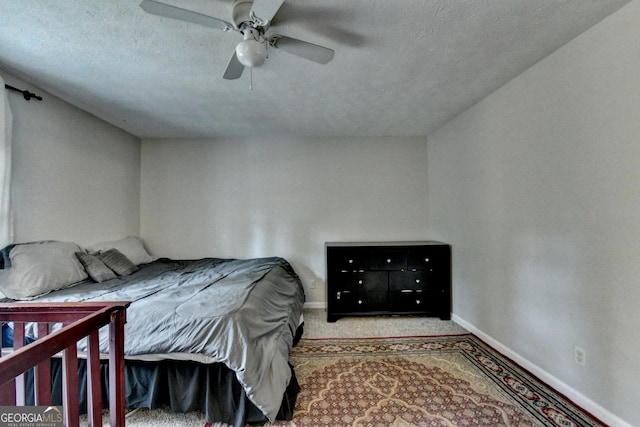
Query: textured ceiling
x: 401, y: 67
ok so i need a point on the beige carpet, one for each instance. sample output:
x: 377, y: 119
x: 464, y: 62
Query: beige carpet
x: 316, y: 326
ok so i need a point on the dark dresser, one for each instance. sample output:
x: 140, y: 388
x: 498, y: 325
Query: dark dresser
x: 388, y: 278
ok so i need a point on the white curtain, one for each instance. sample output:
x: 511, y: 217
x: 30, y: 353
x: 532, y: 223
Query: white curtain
x: 6, y: 121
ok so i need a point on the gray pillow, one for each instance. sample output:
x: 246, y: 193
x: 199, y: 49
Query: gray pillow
x: 96, y: 269
x: 41, y: 267
x: 116, y: 261
x: 131, y: 247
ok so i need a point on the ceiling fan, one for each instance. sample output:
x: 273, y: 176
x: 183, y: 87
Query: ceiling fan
x: 252, y: 18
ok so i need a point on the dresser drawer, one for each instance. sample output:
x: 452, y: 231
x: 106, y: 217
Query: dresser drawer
x: 413, y: 300
x: 356, y: 301
x: 387, y: 259
x: 399, y: 280
x: 367, y: 281
x: 428, y: 258
x: 347, y: 259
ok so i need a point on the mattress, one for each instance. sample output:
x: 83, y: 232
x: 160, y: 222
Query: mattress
x: 241, y: 313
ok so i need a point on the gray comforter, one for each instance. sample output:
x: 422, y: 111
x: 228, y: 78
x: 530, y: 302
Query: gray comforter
x: 242, y: 313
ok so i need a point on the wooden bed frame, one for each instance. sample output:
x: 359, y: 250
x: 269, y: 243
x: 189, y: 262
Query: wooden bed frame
x: 80, y: 320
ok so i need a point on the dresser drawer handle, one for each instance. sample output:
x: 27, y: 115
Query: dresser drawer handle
x: 417, y: 302
x: 359, y: 282
x: 426, y: 260
x: 388, y: 260
x: 350, y: 261
x: 417, y: 280
x: 359, y: 301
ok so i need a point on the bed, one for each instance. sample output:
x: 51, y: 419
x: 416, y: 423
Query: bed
x: 209, y: 334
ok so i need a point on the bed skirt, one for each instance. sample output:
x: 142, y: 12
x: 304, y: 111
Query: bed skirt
x: 181, y: 386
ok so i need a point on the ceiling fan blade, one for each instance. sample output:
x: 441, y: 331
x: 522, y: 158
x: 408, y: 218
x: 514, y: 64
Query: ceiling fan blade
x: 265, y: 10
x: 161, y: 9
x: 310, y: 51
x: 234, y: 69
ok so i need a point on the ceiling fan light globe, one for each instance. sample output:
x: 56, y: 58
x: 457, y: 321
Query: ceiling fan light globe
x: 251, y: 53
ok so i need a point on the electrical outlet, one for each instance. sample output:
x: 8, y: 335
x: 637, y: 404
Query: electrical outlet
x: 313, y: 285
x: 580, y: 356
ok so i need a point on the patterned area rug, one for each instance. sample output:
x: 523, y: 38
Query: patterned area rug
x: 421, y: 381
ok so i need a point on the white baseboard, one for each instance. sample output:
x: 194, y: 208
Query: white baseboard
x: 578, y: 398
x: 317, y: 304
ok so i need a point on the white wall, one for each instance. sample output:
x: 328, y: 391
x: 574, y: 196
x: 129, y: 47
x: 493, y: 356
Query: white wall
x: 75, y: 177
x: 538, y: 189
x: 281, y: 197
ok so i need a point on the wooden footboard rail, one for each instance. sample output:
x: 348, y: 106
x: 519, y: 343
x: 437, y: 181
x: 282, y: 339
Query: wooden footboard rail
x: 79, y: 320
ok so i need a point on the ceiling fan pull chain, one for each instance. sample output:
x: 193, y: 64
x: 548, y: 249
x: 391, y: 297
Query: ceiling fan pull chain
x: 250, y: 78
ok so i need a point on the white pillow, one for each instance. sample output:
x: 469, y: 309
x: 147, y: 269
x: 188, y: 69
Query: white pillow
x: 131, y: 247
x: 41, y: 267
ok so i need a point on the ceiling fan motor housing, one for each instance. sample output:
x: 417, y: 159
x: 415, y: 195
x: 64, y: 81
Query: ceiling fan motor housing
x: 241, y: 12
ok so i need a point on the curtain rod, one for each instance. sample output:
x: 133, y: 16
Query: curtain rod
x: 25, y: 93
